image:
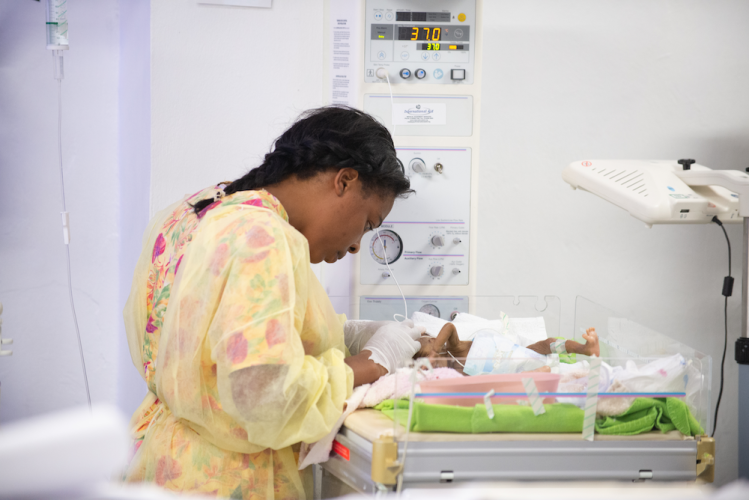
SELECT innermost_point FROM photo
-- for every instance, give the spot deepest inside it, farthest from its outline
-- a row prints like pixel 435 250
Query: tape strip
pixel 532 391
pixel 488 403
pixel 559 346
pixel 591 399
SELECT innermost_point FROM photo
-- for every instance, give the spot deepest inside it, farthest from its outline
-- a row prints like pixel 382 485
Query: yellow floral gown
pixel 239 345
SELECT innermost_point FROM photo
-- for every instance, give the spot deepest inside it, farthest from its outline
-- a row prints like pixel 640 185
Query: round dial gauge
pixel 431 310
pixel 389 249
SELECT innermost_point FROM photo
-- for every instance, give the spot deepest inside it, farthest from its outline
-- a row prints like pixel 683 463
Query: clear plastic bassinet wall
pixel 625 342
pixel 641 360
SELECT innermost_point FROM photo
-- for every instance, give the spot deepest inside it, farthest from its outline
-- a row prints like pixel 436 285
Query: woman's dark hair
pixel 332 137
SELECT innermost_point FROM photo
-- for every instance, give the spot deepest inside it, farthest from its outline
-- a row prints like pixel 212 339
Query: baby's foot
pixel 591 347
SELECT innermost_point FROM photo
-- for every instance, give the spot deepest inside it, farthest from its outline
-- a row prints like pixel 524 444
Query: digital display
pixel 431 33
pixel 440 46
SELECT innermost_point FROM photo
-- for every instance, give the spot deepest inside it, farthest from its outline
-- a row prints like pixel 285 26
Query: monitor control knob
pixel 418 165
pixel 457 241
pixel 420 73
pixel 436 271
pixel 456 271
pixel 405 73
pixel 438 240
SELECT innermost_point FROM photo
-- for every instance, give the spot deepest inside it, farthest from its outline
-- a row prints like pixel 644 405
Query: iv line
pixel 66 229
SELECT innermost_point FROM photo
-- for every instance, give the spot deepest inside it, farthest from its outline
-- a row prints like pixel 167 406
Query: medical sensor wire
pixel 727 291
pixel 385 255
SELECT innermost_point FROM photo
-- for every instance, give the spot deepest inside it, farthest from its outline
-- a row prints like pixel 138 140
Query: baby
pixel 447 341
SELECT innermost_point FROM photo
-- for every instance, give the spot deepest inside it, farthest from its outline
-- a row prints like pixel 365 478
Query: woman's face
pixel 345 213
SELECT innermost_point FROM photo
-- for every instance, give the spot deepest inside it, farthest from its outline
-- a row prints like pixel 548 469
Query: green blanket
pixel 643 415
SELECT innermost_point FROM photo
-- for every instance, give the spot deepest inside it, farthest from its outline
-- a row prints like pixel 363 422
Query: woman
pixel 241 349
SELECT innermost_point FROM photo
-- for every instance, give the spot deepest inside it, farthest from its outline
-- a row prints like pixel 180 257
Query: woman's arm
pixel 365 370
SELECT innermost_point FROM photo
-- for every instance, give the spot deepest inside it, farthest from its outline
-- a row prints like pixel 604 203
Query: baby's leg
pixel 590 348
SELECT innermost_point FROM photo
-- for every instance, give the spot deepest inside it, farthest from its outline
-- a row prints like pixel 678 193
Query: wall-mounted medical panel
pixel 420 42
pixel 425 238
pixel 423 115
pixel 383 308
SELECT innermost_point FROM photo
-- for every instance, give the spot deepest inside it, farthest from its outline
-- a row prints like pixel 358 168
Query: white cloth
pixel 320 451
pixel 669 374
pixel 494 353
pixel 659 375
pixel 522 331
pixel 467 325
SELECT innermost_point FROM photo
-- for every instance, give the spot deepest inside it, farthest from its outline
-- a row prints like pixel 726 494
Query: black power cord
pixel 727 291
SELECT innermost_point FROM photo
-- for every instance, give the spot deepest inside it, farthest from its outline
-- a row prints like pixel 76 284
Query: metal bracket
pixel 385 468
pixel 706 458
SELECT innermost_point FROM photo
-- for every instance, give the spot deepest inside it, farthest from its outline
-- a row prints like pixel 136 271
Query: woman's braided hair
pixel 331 137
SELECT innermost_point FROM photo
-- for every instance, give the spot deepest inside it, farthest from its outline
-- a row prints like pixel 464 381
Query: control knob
pixel 436 271
pixel 438 240
pixel 418 165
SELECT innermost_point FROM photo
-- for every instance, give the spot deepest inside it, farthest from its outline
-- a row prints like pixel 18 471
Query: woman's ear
pixel 344 179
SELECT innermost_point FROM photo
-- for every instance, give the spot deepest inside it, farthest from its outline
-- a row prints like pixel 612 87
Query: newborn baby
pixel 448 343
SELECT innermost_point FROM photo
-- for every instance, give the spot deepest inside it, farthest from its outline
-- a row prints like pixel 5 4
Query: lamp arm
pixel 733 180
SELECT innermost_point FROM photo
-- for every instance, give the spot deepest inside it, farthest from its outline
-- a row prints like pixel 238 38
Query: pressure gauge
pixel 431 310
pixel 390 249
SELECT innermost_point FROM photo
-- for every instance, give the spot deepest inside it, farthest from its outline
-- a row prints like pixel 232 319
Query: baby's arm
pixel 446 341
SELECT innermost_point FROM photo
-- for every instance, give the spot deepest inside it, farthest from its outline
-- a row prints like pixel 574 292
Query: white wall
pixel 44 373
pixel 226 81
pixel 134 170
pixel 105 110
pixel 587 79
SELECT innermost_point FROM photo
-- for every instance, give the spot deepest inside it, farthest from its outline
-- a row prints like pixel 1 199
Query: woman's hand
pixel 357 332
pixel 394 344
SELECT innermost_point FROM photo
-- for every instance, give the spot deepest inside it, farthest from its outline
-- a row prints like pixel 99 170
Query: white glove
pixel 394 343
pixel 357 332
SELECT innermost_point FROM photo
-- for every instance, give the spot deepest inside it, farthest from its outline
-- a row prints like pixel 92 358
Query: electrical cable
pixel 727 289
pixel 67 240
